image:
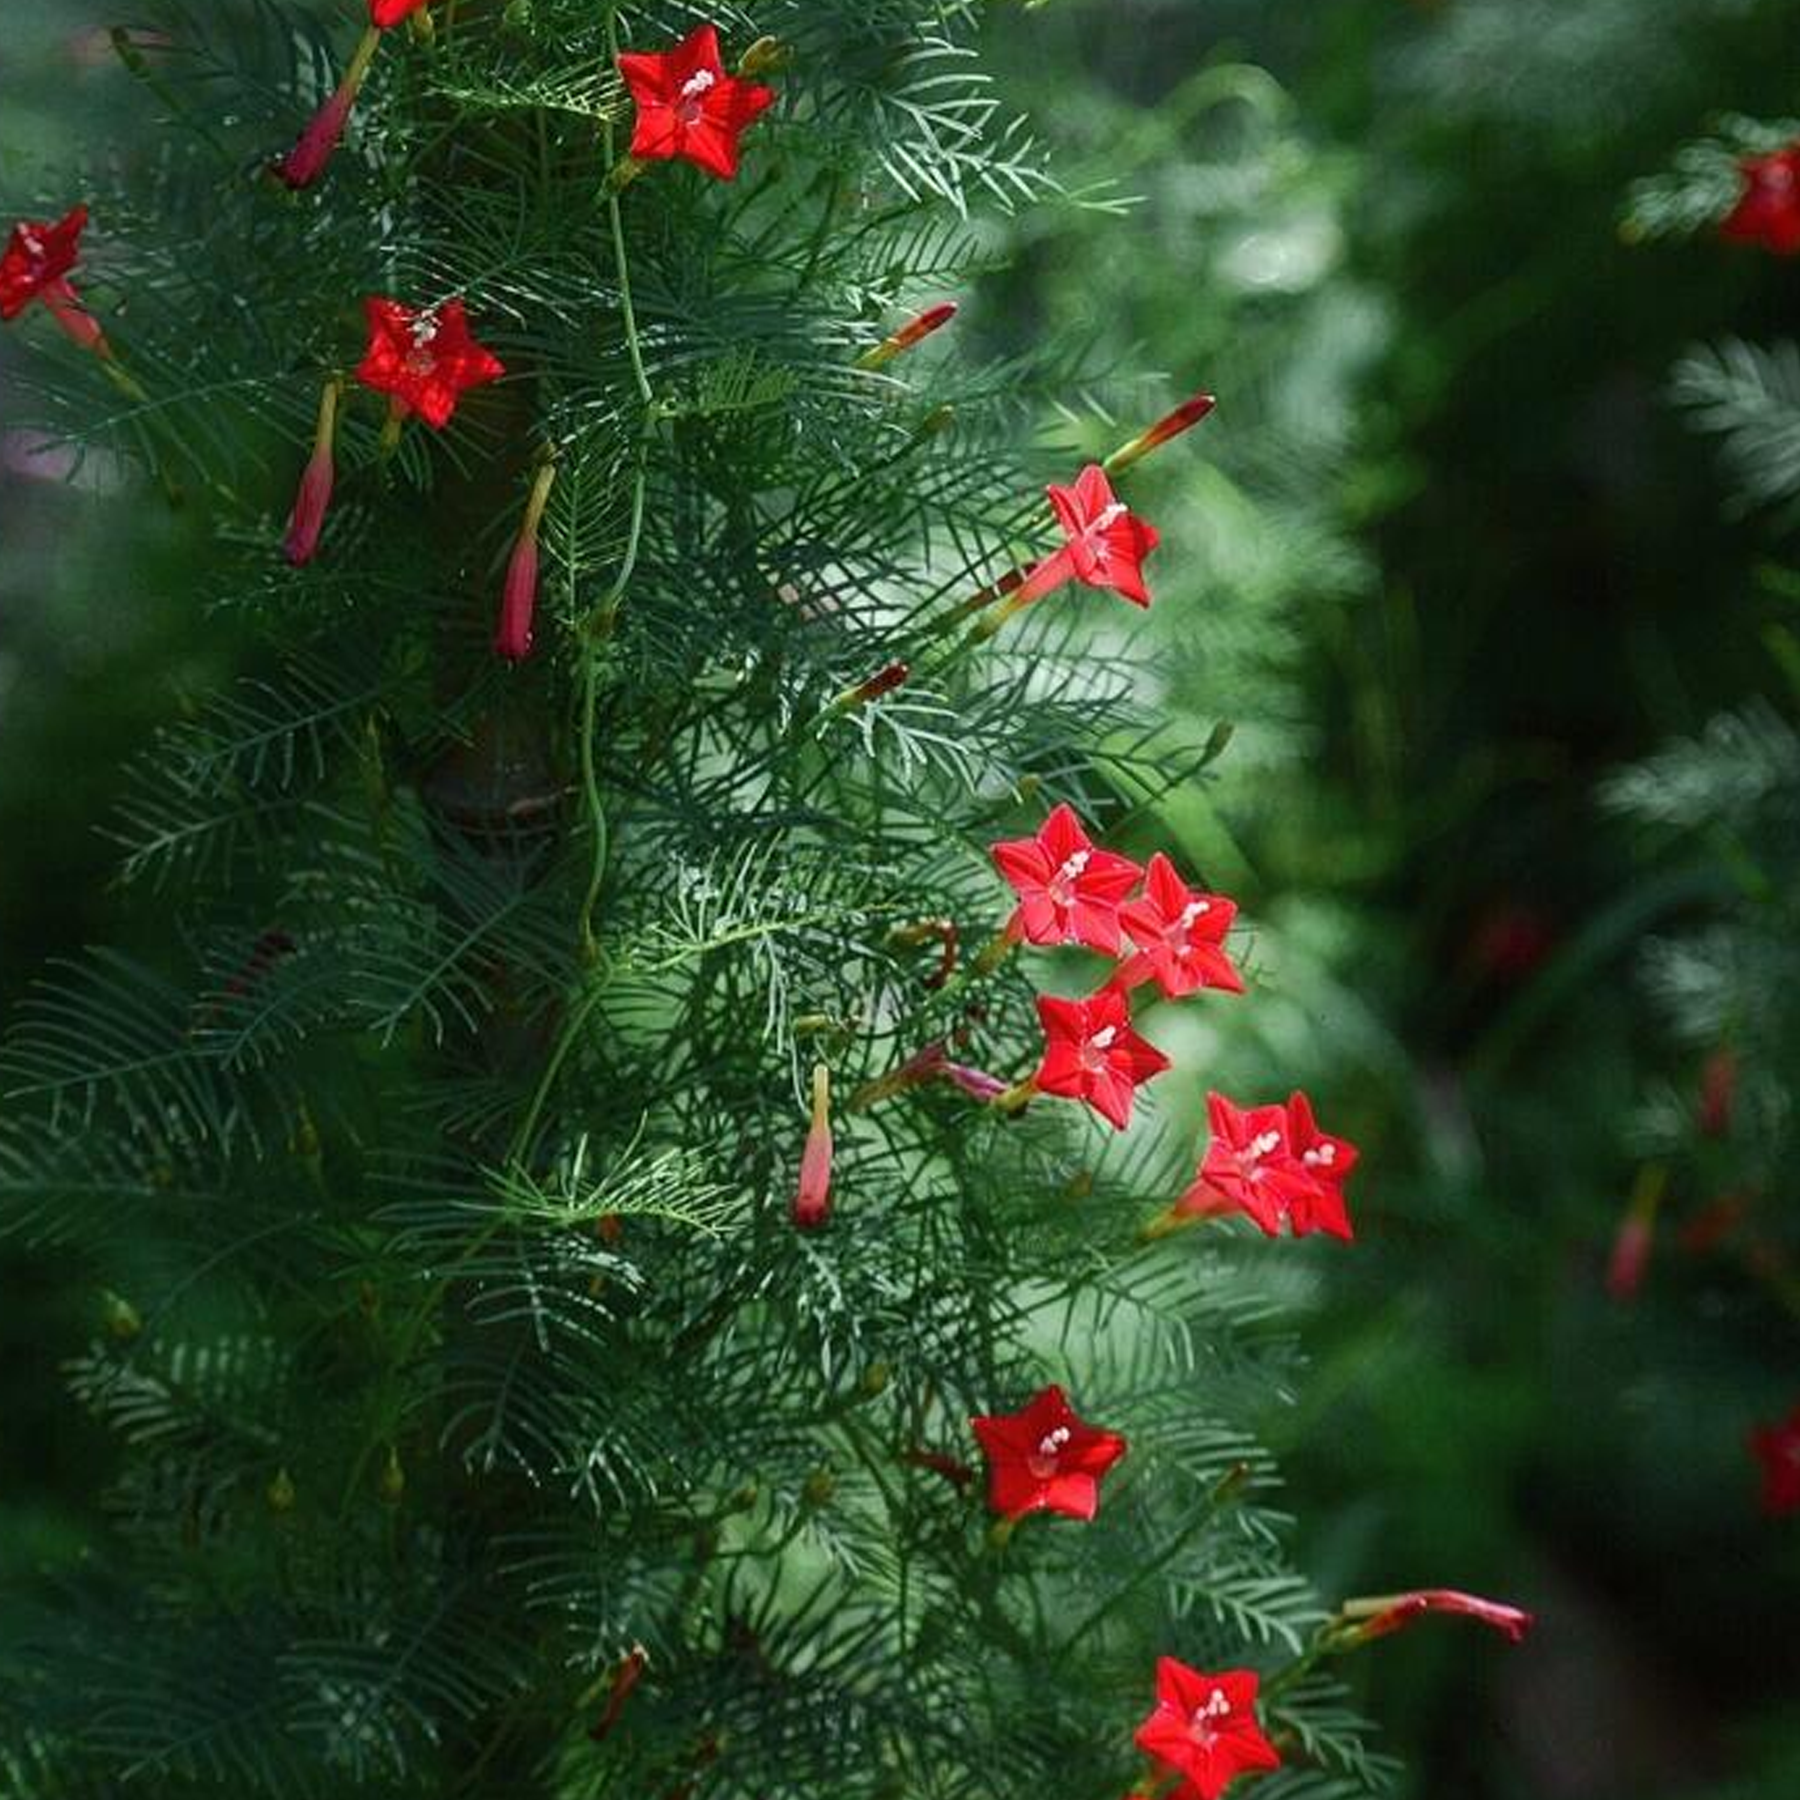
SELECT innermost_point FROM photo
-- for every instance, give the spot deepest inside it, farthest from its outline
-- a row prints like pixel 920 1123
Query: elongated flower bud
pixel 883 681
pixel 812 1198
pixel 1632 1244
pixel 308 517
pixel 518 605
pixel 628 1672
pixel 1364 1620
pixel 915 331
pixel 305 163
pixel 1187 415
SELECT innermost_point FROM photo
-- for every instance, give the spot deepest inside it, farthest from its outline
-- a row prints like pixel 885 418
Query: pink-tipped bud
pixel 812 1198
pixel 305 163
pixel 518 604
pixel 314 497
pixel 1384 1613
pixel 1630 1257
pixel 1187 415
pixel 976 1083
pixel 65 307
pixel 914 331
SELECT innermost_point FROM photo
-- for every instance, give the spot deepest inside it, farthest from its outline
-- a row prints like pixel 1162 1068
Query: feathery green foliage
pixel 449 1174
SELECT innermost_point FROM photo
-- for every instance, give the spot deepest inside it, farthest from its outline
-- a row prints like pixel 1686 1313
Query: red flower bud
pixel 1384 1613
pixel 1187 415
pixel 518 605
pixel 305 163
pixel 914 331
pixel 308 517
pixel 625 1677
pixel 883 681
pixel 812 1198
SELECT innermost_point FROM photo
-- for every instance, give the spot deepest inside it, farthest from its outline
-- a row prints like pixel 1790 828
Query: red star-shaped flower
pixel 687 106
pixel 1045 1459
pixel 1180 935
pixel 1768 209
pixel 1106 542
pixel 1204 1727
pixel 1069 890
pixel 425 359
pixel 37 259
pixel 1777 1448
pixel 1091 1053
pixel 383 13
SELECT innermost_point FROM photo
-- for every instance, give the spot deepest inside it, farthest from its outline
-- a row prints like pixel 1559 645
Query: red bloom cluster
pixel 1073 892
pixel 688 107
pixel 1272 1163
pixel 1044 1458
pixel 1777 1449
pixel 1768 209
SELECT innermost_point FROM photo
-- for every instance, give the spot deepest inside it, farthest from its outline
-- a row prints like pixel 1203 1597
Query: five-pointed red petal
pixel 1204 1727
pixel 1069 891
pixel 1180 935
pixel 1044 1458
pixel 1091 1053
pixel 687 106
pixel 1777 1448
pixel 426 360
pixel 38 255
pixel 1106 542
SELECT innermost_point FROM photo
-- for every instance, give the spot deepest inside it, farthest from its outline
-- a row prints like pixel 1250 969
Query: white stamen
pixel 1053 1441
pixel 1103 1040
pixel 33 244
pixel 1320 1156
pixel 1200 1722
pixel 698 83
pixel 1195 909
pixel 1262 1144
pixel 1109 516
pixel 424 330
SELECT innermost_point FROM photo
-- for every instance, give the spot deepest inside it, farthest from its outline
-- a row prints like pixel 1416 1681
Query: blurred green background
pixel 1455 561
